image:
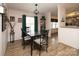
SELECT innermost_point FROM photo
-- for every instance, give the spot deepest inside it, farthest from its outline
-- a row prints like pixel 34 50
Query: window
pixel 30 24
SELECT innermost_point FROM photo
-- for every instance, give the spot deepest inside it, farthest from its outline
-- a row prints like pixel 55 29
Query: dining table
pixel 33 35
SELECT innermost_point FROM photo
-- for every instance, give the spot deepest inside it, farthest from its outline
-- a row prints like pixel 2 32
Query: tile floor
pixel 54 49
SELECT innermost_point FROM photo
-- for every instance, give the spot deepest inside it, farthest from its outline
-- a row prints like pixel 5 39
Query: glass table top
pixel 34 34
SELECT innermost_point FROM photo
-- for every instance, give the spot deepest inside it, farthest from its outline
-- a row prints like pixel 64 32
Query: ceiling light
pixel 36 10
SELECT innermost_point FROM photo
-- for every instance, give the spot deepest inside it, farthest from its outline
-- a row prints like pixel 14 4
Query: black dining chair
pixel 26 38
pixel 41 42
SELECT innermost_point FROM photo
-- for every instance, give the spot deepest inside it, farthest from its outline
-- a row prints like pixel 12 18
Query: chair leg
pixel 47 45
pixel 46 48
pixel 23 43
pixel 40 47
pixel 40 50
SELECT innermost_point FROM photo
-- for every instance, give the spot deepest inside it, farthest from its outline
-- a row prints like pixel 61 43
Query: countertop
pixel 75 27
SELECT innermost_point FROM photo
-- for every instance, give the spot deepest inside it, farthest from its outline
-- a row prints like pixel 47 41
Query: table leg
pixel 31 45
pixel 40 47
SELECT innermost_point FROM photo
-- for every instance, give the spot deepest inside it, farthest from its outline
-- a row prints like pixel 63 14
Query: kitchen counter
pixel 69 35
pixel 75 27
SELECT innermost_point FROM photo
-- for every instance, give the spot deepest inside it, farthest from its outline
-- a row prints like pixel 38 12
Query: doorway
pixel 54 27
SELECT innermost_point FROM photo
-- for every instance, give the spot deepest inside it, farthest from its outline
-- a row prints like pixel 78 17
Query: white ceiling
pixel 43 7
pixel 30 7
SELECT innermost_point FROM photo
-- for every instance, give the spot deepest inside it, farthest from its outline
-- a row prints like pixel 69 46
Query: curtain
pixel 24 23
pixel 36 24
pixel 44 24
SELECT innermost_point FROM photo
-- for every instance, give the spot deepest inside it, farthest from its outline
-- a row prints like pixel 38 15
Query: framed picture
pixel 12 19
pixel 19 20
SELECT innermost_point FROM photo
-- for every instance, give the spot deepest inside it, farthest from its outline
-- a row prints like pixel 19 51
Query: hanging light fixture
pixel 36 11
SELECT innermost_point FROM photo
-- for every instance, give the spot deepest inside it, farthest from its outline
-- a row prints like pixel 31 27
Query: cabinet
pixel 72 21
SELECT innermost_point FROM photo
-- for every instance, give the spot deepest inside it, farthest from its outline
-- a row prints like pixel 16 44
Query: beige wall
pixel 61 13
pixel 48 22
pixel 3 37
pixel 18 26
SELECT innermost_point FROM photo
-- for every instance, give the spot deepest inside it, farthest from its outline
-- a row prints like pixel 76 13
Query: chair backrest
pixel 45 36
pixel 23 33
pixel 45 33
